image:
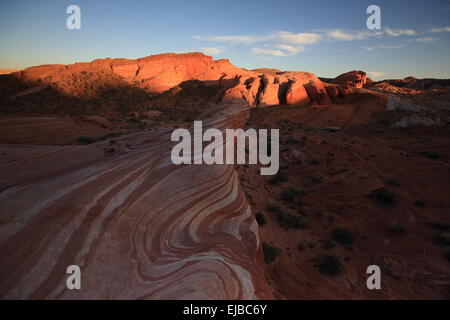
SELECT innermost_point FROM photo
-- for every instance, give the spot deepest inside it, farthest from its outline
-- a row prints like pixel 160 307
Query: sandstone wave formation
pixel 138 226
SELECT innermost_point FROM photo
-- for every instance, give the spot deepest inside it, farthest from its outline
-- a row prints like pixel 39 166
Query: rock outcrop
pixel 353 78
pixel 156 73
pixel 286 88
pixel 296 94
pixel 160 73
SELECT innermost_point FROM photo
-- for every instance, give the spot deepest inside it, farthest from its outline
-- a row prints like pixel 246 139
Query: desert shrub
pixel 328 244
pixel 384 197
pixel 278 178
pixel 270 252
pixel 440 226
pixel 447 254
pixel 396 229
pixel 301 203
pixel 289 221
pixel 443 239
pixel 310 244
pixel 329 265
pixel 85 140
pixel 343 236
pixel 432 155
pixel 292 140
pixel 274 207
pixel 290 194
pixel 114 134
pixel 393 182
pixel 260 219
pixel 286 219
pixel 420 203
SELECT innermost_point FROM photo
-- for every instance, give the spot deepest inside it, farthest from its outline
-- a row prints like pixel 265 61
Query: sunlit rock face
pixel 156 73
pixel 159 73
pixel 138 226
pixel 353 78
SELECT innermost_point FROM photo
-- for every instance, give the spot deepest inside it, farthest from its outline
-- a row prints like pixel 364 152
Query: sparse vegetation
pixel 329 265
pixel 343 236
pixel 278 178
pixel 393 182
pixel 286 219
pixel 420 203
pixel 384 196
pixel 290 194
pixel 292 140
pixel 270 252
pixel 328 244
pixel 447 254
pixel 443 239
pixel 440 226
pixel 260 219
pixel 396 229
pixel 432 155
pixel 274 207
pixel 85 140
pixel 310 244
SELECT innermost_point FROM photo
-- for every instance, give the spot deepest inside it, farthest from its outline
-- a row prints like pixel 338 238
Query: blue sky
pixel 323 37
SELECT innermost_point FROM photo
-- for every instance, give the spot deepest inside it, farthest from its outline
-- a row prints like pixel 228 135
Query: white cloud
pixel 290 49
pixel 286 43
pixel 424 40
pixel 231 39
pixel 272 52
pixel 439 30
pixel 343 35
pixel 383 46
pixel 375 74
pixel 295 38
pixel 397 46
pixel 211 50
pixel 400 32
pixel 279 50
pixel 279 36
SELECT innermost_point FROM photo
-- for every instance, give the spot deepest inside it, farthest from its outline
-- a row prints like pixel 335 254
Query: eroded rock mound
pixel 119 85
pixel 285 88
pixel 156 73
pixel 353 78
